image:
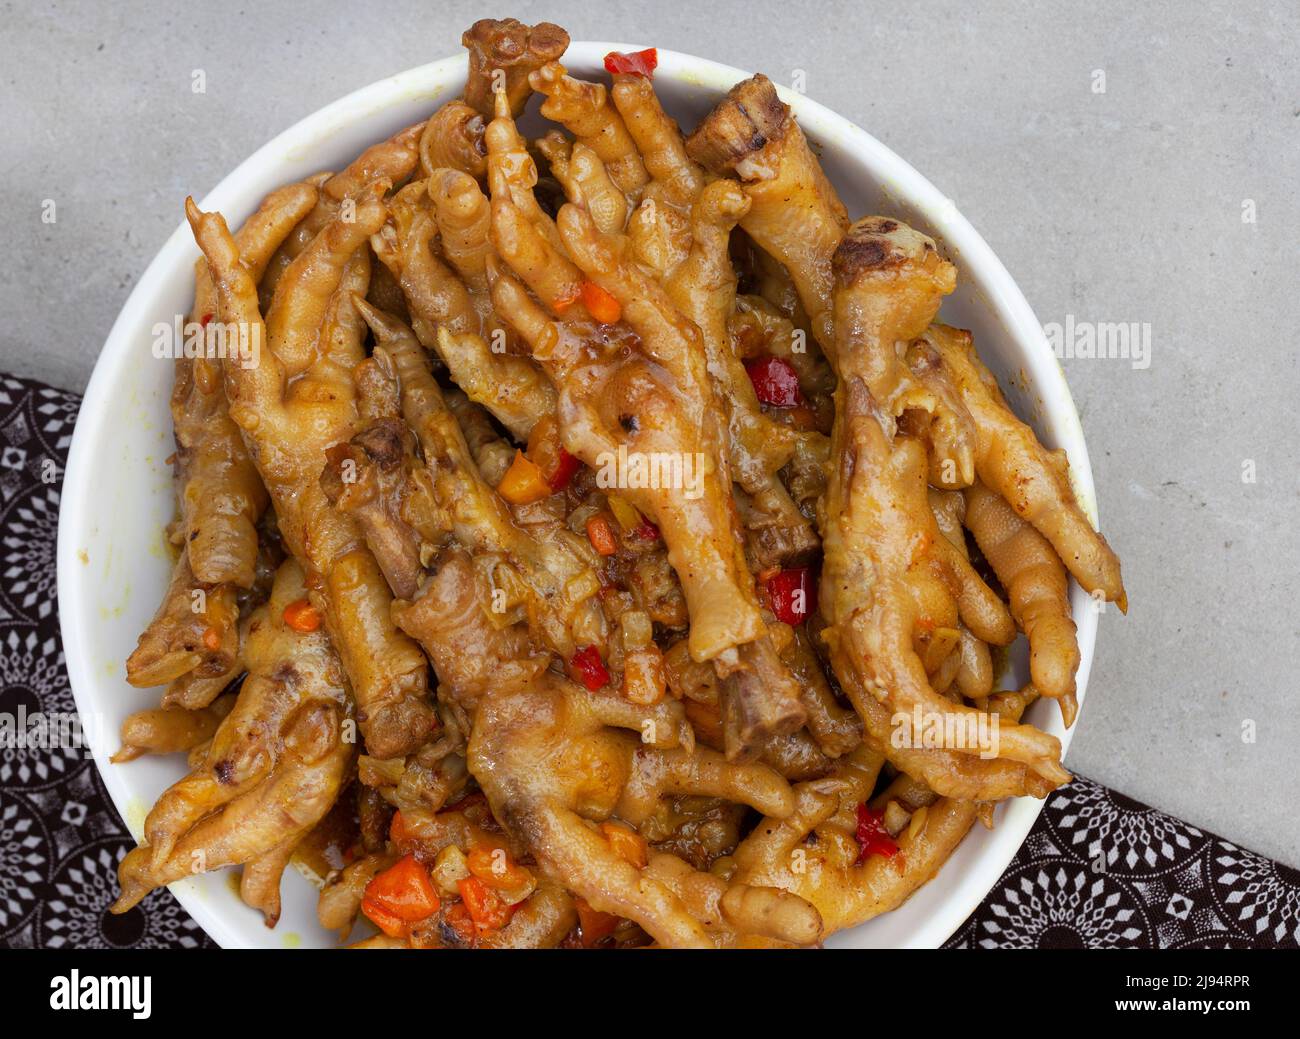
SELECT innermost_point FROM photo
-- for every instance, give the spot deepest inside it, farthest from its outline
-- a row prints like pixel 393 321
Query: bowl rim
pixel 998 288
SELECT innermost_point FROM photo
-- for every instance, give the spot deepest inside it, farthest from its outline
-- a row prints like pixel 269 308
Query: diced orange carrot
pixel 496 869
pixel 600 304
pixel 523 482
pixel 594 924
pixel 457 916
pixel 404 892
pixel 601 536
pixel 392 925
pixel 302 616
pixel 404 889
pixel 627 844
pixel 487 911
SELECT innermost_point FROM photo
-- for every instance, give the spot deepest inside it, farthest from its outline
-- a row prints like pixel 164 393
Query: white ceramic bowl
pixel 113 566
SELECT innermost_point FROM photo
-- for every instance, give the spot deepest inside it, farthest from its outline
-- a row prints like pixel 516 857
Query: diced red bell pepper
pixel 792 594
pixel 646 531
pixel 546 451
pixel 639 63
pixel 776 383
pixel 589 668
pixel 873 838
pixel 565 466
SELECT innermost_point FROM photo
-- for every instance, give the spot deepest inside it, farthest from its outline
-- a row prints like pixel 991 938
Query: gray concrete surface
pixel 1122 205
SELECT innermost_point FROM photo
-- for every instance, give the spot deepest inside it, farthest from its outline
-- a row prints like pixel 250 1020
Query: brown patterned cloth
pixel 1098 870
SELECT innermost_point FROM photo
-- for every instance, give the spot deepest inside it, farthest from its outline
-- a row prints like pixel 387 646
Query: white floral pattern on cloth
pixel 74 917
pixel 31 525
pixel 1099 870
pixel 60 837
